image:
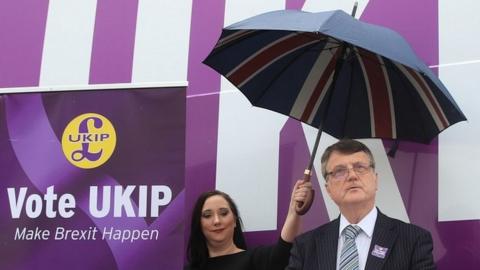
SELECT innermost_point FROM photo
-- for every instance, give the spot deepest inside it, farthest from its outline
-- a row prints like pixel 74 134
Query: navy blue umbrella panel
pixel 330 70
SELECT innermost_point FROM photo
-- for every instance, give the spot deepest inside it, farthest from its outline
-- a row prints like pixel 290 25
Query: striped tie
pixel 349 255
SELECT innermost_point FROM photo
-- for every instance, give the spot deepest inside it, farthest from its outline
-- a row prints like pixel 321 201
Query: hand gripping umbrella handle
pixel 302 207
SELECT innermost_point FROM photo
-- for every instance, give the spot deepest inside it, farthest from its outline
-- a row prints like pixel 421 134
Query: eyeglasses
pixel 340 173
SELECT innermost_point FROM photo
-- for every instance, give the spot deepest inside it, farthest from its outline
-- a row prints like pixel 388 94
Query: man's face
pixel 351 188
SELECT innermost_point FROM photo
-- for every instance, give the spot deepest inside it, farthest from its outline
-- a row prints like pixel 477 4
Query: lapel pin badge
pixel 379 251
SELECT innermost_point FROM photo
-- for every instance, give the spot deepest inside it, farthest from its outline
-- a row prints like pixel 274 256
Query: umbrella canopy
pixel 348 78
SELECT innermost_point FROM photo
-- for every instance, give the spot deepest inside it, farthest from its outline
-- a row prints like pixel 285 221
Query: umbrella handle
pixel 302 207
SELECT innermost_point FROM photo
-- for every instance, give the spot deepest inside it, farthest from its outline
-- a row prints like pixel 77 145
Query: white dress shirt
pixel 364 238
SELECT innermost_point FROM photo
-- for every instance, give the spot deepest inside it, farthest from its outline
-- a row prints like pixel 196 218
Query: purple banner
pixel 92 179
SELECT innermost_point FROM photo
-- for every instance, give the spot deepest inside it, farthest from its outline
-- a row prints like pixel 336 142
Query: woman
pixel 216 237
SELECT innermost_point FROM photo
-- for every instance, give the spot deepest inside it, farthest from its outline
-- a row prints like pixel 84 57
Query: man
pixel 362 237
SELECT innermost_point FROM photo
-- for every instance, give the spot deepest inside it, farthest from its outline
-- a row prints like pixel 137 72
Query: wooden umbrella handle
pixel 302 207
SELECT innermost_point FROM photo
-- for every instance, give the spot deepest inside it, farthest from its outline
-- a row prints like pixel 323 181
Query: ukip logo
pixel 89 140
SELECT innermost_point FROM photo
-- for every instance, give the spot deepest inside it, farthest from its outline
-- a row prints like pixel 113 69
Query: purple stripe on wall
pixel 461 239
pixel 294 4
pixel 416 21
pixel 113 41
pixel 204 33
pixel 202 111
pixel 22 30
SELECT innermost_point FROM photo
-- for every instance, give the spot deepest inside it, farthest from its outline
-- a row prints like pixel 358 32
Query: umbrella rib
pixel 406 84
pixel 352 52
pixel 391 70
pixel 370 58
pixel 228 45
pixel 303 51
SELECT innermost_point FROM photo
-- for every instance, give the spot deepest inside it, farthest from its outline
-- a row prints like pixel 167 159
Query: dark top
pixel 260 258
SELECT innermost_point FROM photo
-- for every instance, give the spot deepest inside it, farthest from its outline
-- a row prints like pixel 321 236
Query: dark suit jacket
pixel 409 247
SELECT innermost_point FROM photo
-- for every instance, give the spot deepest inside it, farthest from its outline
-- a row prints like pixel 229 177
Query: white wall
pixel 459 150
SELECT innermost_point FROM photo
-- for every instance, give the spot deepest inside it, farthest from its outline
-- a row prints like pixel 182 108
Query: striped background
pixel 46 43
pixel 67 42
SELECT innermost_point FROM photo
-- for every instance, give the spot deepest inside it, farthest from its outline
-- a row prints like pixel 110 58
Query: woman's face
pixel 217 221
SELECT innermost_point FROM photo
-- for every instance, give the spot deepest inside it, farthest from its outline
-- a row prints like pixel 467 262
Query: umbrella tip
pixel 355 5
pixel 393 150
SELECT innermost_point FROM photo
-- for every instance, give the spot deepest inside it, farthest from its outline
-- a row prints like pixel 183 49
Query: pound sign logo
pixel 89 140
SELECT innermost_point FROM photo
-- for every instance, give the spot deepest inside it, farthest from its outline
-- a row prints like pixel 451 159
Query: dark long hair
pixel 197 251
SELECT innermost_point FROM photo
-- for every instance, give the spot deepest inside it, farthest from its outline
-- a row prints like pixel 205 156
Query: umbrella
pixel 329 70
